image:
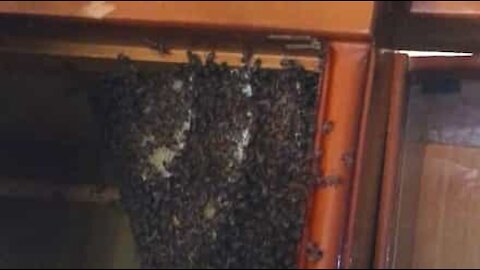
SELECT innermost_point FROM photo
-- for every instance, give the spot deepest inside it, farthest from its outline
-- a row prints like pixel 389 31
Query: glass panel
pixel 438 225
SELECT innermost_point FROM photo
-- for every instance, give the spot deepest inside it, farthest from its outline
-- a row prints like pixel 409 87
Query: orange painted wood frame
pixel 341 105
pixel 330 18
pixel 388 194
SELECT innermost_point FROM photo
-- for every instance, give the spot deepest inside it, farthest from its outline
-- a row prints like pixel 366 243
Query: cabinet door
pixel 429 198
pixel 394 139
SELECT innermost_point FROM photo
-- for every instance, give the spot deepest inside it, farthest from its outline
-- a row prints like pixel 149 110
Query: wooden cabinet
pixel 87 36
pixel 396 136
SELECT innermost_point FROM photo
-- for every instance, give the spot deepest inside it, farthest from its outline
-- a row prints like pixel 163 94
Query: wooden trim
pixel 323 87
pixel 349 18
pixel 353 198
pixel 360 235
pixel 342 101
pixel 388 195
pixel 137 53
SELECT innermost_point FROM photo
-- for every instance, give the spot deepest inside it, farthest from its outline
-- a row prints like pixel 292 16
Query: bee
pixel 327 127
pixel 158 46
pixel 348 160
pixel 328 181
pixel 247 56
pixel 194 59
pixel 288 63
pixel 314 253
pixel 257 64
pixel 210 57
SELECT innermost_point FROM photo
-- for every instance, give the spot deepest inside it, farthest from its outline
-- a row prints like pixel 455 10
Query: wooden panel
pixel 459 9
pixel 320 17
pixel 341 105
pixel 448 225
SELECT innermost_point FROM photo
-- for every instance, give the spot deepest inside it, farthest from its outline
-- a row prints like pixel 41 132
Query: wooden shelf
pixel 137 53
pixel 43 190
pixel 349 18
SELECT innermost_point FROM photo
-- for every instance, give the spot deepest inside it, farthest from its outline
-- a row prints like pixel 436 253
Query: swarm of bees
pixel 212 160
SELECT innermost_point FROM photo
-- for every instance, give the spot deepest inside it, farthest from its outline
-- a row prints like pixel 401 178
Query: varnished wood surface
pixel 389 186
pixel 448 223
pixel 360 235
pixel 320 17
pixel 342 105
pixel 65 48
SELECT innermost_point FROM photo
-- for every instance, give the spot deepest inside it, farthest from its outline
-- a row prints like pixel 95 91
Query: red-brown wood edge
pixel 388 193
pixel 362 160
pixel 342 100
pixel 328 18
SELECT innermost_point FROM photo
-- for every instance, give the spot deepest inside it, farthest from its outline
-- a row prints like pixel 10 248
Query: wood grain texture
pixel 448 225
pixel 321 17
